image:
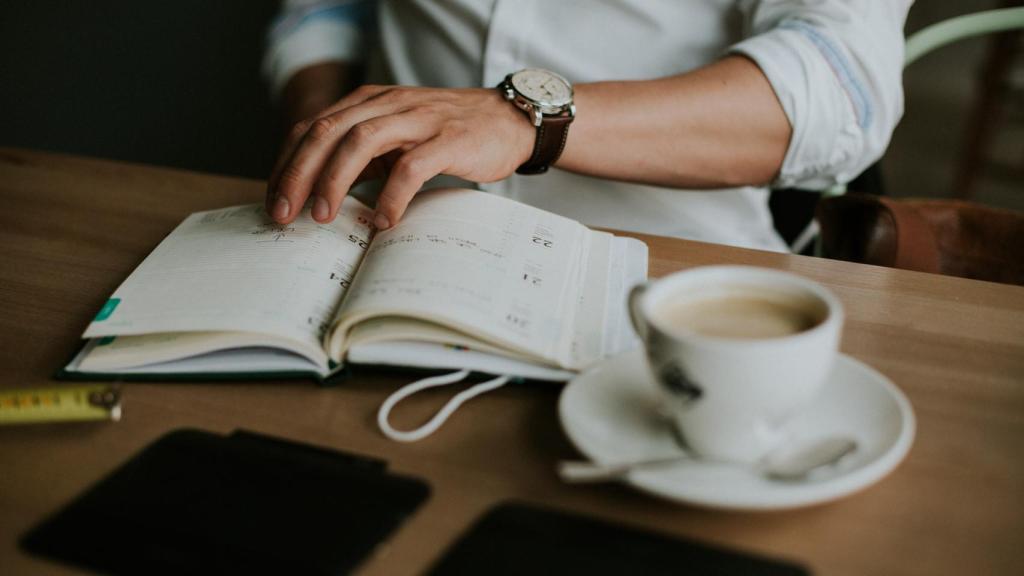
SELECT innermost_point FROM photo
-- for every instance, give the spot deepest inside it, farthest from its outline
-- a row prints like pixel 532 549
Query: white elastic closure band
pixel 442 415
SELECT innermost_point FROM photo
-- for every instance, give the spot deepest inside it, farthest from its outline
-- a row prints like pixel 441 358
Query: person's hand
pixel 406 135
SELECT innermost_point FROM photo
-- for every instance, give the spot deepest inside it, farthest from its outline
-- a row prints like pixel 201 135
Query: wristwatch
pixel 546 98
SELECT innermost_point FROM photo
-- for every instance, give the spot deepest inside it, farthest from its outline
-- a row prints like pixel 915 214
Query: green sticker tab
pixel 107 309
pixel 106 340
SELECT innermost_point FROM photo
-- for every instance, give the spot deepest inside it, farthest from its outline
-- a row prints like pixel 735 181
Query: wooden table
pixel 72 228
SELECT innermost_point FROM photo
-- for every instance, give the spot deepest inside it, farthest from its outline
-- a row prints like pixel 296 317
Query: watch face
pixel 543 87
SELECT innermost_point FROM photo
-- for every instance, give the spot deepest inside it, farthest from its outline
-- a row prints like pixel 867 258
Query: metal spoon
pixel 784 464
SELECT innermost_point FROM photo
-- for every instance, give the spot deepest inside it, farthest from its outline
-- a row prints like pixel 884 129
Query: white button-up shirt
pixel 835 66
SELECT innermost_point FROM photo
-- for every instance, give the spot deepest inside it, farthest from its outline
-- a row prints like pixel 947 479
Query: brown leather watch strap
pixel 551 136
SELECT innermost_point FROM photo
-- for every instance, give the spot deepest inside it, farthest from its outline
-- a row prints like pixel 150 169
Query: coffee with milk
pixel 741 315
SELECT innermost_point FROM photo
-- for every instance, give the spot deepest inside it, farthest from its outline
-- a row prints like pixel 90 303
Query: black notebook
pixel 195 502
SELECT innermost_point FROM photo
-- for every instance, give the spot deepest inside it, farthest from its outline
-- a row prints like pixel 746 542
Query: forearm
pixel 717 126
pixel 314 88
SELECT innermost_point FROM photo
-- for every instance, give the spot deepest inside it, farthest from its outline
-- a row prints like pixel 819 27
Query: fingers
pixel 307 144
pixel 407 176
pixel 296 178
pixel 354 156
pixel 298 131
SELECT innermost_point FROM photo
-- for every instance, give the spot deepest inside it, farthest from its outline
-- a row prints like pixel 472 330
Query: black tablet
pixel 195 502
pixel 519 538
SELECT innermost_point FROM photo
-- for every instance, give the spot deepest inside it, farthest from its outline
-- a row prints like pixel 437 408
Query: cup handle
pixel 635 313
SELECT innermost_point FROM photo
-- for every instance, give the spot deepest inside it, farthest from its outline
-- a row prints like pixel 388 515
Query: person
pixel 686 111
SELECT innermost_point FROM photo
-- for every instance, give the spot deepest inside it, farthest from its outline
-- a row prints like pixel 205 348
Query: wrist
pixel 522 133
pixel 546 100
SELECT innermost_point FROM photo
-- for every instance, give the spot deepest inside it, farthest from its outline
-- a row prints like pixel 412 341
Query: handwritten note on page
pixel 235 270
pixel 491 267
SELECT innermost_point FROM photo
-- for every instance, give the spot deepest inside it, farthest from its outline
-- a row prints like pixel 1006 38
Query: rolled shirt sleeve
pixel 308 32
pixel 836 67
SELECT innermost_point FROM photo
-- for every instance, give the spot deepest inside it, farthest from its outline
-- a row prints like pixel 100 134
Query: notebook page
pixel 126 352
pixel 483 264
pixel 233 269
pixel 589 335
pixel 628 268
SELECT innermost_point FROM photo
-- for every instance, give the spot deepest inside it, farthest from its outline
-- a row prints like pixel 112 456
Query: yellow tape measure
pixel 64 403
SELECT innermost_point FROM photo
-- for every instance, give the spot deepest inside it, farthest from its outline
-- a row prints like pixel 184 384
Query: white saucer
pixel 610 414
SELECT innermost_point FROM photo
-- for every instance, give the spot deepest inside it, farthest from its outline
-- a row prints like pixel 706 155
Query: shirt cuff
pixel 823 98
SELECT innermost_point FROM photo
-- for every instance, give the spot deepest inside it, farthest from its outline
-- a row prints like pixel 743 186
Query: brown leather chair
pixel 950 237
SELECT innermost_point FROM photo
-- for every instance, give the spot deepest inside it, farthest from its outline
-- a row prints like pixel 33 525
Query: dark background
pixel 172 83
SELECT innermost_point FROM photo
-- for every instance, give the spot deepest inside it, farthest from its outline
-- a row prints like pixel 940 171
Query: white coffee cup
pixel 738 351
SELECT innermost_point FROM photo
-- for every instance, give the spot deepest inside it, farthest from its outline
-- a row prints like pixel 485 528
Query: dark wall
pixel 171 83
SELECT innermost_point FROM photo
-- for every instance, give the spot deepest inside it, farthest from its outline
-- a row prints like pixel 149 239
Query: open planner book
pixel 467 280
